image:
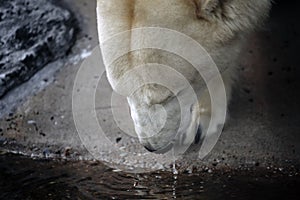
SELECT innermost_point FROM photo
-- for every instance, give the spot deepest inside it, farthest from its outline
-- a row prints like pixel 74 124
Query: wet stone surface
pixel 33 33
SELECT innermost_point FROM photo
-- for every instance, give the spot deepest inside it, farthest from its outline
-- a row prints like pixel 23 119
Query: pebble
pixel 67 151
pixel 31 122
pixel 123 154
pixel 36 149
pixel 158 166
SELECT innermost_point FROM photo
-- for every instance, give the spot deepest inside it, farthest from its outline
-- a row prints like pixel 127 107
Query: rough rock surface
pixel 32 34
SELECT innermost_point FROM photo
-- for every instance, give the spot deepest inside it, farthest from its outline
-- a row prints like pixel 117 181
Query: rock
pixel 33 33
pixel 67 151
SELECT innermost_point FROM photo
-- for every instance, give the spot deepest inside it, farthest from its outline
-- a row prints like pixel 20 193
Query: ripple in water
pixel 24 178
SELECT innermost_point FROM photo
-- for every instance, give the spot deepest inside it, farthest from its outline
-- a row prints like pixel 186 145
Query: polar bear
pixel 219 26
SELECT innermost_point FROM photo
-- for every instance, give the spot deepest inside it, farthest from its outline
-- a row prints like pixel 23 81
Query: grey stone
pixel 33 33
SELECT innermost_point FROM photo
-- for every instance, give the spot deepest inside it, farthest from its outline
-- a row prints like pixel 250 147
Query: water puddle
pixel 25 178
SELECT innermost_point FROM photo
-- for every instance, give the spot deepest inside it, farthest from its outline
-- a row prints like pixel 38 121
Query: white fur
pixel 220 26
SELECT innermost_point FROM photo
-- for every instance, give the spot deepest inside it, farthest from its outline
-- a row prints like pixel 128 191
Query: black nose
pixel 198 135
pixel 149 148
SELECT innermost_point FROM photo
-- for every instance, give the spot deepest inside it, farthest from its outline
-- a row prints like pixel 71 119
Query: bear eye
pixel 207 9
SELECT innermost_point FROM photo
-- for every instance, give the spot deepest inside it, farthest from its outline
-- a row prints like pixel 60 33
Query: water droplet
pixel 175 173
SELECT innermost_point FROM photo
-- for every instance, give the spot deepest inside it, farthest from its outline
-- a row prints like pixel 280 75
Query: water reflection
pixel 24 178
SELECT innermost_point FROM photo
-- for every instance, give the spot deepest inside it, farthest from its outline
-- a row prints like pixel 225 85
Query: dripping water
pixel 175 173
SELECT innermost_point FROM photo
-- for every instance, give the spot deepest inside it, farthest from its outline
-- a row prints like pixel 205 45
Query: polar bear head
pixel 218 25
